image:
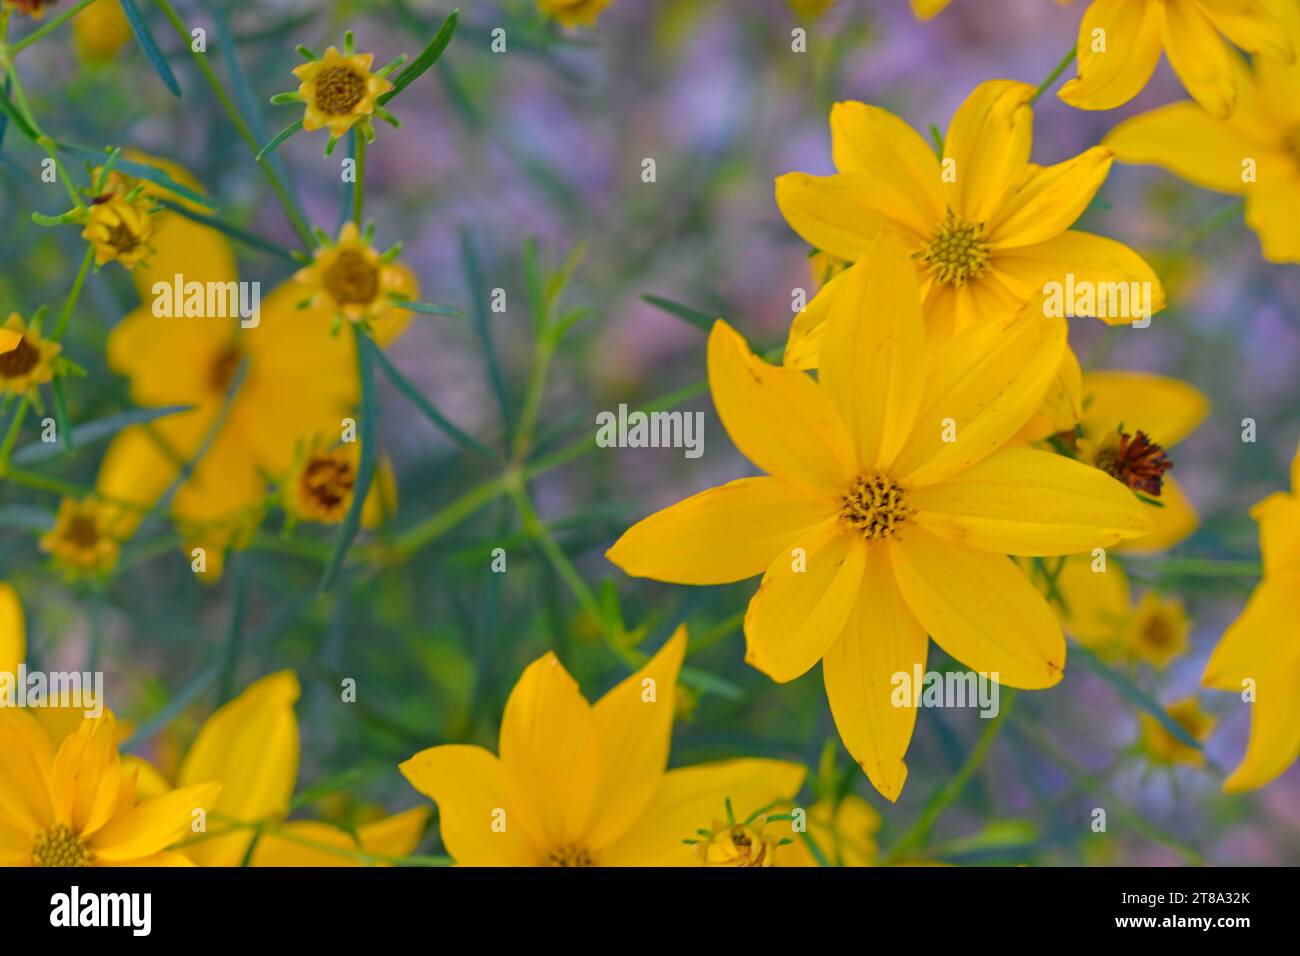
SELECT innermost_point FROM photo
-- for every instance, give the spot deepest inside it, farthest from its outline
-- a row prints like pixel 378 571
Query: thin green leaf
pixel 11 112
pixel 430 411
pixel 700 320
pixel 189 693
pixel 427 58
pixel 366 352
pixel 478 295
pixel 233 231
pixel 150 46
pixel 427 308
pixel 280 137
pixel 89 432
pixel 1134 694
pixel 140 171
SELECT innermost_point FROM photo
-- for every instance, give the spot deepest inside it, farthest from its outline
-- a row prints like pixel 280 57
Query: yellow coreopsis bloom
pixel 320 486
pixel 1259 652
pixel 1159 630
pixel 1255 153
pixel 888 504
pixel 986 228
pixel 101 30
pixel 120 228
pixel 85 539
pixel 13 632
pixel 75 804
pixel 1162 747
pixel 339 90
pixel 352 279
pixel 250 746
pixel 1120 43
pixel 579 784
pixel 26 359
pixel 573 13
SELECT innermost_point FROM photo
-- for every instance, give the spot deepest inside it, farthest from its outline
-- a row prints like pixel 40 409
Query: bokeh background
pixel 546 141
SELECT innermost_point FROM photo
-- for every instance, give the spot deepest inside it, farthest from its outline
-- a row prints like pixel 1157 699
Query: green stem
pixel 11 436
pixel 74 294
pixel 533 399
pixel 1054 75
pixel 1207 567
pixel 359 186
pixel 48 27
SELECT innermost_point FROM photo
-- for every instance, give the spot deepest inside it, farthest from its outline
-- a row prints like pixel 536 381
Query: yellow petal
pixel 1046 201
pixel 808 330
pixel 550 753
pixel 1259 643
pixel 1251 25
pixel 984 386
pixel 1029 502
pixel 153 825
pixel 980 609
pixel 867 139
pixel 1167 409
pixel 1088 258
pixel 309 843
pixel 87 775
pixel 1062 406
pixel 635 724
pixel 1119 47
pixel 1200 57
pixel 873 362
pixel 13 633
pixel 1174 519
pixel 842 214
pixel 1269 209
pixel 1279 533
pixel 692 798
pixel 9 340
pixel 474 810
pixel 250 746
pixel 800 608
pixel 25 785
pixel 882 638
pixel 778 417
pixel 1274 741
pixel 989 139
pixel 724 534
pixel 1097 604
pixel 1190 143
pixel 925 9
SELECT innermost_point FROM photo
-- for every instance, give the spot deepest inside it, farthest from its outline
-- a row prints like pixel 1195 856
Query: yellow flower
pixel 33 8
pixel 352 279
pixel 1091 599
pixel 1255 153
pixel 100 30
pixel 578 784
pixel 845 832
pixel 1259 651
pixel 76 805
pixel 320 487
pixel 1159 630
pixel 1162 747
pixel 120 228
pixel 250 746
pixel 986 228
pixel 1120 43
pixel 26 359
pixel 13 633
pixel 737 844
pixel 1129 423
pixel 298 381
pixel 926 9
pixel 573 13
pixel 890 499
pixel 84 539
pixel 339 90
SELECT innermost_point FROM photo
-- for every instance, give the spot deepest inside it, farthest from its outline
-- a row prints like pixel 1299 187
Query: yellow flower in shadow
pixel 573 13
pixel 1161 747
pixel 580 784
pixel 120 229
pixel 100 31
pixel 26 359
pixel 84 541
pixel 352 279
pixel 1158 633
pixel 320 486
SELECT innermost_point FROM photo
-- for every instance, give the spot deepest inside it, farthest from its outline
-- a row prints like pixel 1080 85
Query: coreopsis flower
pixel 295 380
pixel 100 31
pixel 1159 746
pixel 1255 153
pixel 354 280
pixel 13 632
pixel 84 541
pixel 740 844
pixel 985 228
pixel 340 92
pixel 1259 654
pixel 76 804
pixel 26 359
pixel 1129 424
pixel 573 13
pixel 120 228
pixel 32 8
pixel 320 486
pixel 1158 633
pixel 579 784
pixel 250 746
pixel 889 503
pixel 1120 43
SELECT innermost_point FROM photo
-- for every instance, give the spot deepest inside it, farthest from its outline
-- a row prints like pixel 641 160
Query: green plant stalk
pixel 533 399
pixel 359 186
pixel 1054 75
pixel 245 133
pixel 48 145
pixel 74 294
pixel 11 436
pixel 48 27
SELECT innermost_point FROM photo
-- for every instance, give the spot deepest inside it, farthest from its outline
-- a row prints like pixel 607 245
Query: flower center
pixel 957 252
pixel 1158 632
pixel 570 856
pixel 82 530
pixel 59 846
pixel 875 506
pixel 338 89
pixel 1137 461
pixel 328 482
pixel 19 360
pixel 352 279
pixel 738 845
pixel 121 238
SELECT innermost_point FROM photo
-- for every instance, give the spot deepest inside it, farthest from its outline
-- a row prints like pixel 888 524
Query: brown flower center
pixel 875 506
pixel 59 846
pixel 1158 632
pixel 1137 461
pixel 19 360
pixel 958 251
pixel 121 238
pixel 570 856
pixel 338 89
pixel 352 279
pixel 82 530
pixel 328 482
